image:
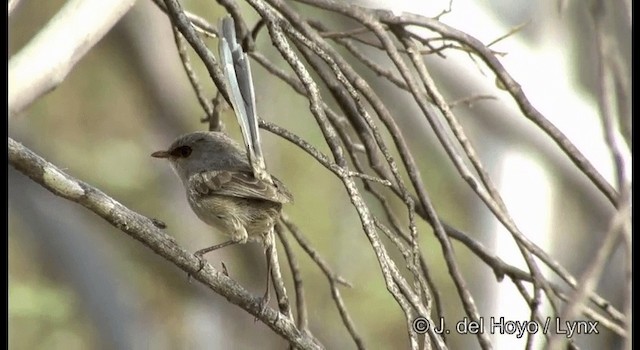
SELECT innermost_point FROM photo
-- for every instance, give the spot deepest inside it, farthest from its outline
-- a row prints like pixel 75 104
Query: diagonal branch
pixel 145 230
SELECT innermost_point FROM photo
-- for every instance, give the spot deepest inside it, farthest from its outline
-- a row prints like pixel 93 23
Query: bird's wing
pixel 238 184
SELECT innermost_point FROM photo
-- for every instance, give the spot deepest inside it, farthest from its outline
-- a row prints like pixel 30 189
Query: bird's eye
pixel 182 152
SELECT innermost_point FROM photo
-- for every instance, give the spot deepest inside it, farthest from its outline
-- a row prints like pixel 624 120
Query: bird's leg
pixel 204 251
pixel 266 296
pixel 238 236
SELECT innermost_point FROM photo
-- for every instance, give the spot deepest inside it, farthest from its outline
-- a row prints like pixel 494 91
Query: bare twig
pixel 508 82
pixel 511 32
pixel 333 278
pixel 301 305
pixel 276 274
pixel 193 79
pixel 470 100
pixel 182 22
pixel 619 225
pixel 356 128
pixel 492 198
pixel 606 96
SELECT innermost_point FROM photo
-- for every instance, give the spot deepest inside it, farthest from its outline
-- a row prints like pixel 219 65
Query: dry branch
pixel 145 230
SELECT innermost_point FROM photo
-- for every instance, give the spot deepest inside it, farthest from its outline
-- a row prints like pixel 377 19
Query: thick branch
pixel 145 230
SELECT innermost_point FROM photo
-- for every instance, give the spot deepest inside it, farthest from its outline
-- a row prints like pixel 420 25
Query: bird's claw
pixel 201 263
pixel 264 301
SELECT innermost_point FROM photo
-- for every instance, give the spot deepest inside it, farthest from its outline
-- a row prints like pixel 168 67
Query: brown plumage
pixel 221 187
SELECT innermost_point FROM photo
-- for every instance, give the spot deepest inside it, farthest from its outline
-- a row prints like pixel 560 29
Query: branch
pixel 146 231
pixel 183 23
pixel 528 110
pixel 49 57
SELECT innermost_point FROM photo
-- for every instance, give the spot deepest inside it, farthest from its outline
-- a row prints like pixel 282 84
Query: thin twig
pixel 193 79
pixel 596 299
pixel 495 202
pixel 182 22
pixel 511 32
pixel 301 305
pixel 333 278
pixel 276 275
pixel 470 100
pixel 507 81
pixel 606 94
pixel 619 225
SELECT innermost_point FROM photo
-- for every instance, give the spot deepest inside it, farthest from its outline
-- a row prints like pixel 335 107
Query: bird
pixel 229 187
pixel 221 187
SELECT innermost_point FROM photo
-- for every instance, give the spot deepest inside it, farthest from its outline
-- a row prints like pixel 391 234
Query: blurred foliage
pixel 43 312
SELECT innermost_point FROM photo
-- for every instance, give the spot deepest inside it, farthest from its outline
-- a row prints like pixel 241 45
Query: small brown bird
pixel 227 187
pixel 221 187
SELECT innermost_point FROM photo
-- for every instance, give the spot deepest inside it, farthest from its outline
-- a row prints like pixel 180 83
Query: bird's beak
pixel 160 154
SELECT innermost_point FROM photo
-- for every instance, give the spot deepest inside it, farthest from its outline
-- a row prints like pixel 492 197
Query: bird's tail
pixel 235 65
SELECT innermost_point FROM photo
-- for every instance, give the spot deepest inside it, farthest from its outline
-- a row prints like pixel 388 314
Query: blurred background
pixel 76 282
